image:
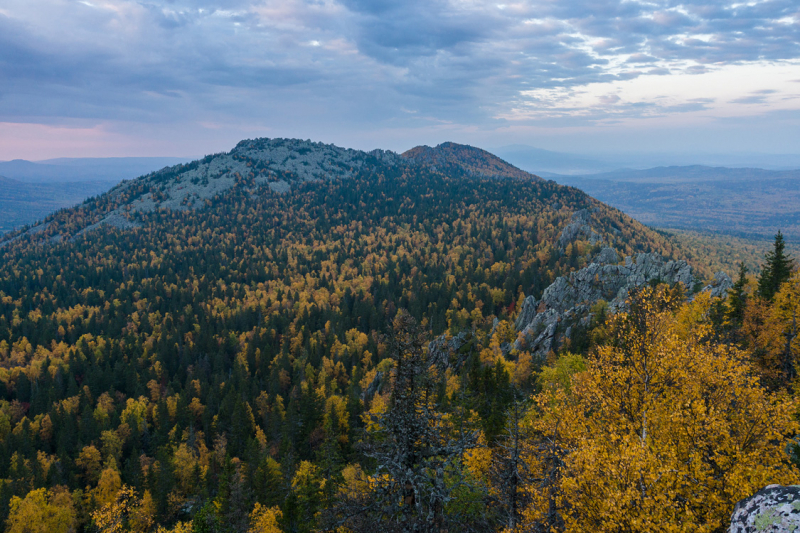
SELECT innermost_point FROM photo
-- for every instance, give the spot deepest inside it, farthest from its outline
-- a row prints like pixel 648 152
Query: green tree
pixel 737 302
pixel 776 270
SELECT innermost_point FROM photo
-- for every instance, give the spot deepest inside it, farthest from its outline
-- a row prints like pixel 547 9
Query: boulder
pixel 773 509
pixel 449 352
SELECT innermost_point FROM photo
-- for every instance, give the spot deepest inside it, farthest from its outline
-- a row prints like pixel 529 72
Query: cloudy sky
pixel 179 77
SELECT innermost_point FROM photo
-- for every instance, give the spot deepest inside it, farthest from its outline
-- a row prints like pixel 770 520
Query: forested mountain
pixel 294 336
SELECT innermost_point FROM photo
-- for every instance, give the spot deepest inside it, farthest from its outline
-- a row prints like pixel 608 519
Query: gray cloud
pixel 175 60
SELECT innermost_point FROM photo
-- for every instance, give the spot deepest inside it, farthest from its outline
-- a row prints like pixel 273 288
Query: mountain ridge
pixel 279 164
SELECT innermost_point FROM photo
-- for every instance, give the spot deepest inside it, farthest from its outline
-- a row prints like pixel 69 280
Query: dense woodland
pixel 262 364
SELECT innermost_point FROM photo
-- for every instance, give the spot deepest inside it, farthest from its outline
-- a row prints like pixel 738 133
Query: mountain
pixel 474 160
pixel 83 169
pixel 748 202
pixel 222 333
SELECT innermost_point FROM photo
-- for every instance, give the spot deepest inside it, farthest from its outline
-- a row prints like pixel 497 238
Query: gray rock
pixel 374 387
pixel 580 226
pixel 773 509
pixel 527 313
pixel 719 286
pixel 568 299
pixel 607 256
pixel 446 352
pixel 280 186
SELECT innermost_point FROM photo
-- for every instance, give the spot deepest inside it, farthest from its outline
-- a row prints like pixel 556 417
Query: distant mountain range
pixel 84 169
pixel 545 162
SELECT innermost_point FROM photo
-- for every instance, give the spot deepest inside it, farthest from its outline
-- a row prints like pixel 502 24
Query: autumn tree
pixel 126 513
pixel 664 429
pixel 771 330
pixel 265 519
pixel 42 511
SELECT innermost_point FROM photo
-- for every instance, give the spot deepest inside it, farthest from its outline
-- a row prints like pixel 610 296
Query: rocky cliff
pixel 544 324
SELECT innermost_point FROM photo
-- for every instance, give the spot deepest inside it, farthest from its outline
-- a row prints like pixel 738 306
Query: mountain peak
pixel 473 160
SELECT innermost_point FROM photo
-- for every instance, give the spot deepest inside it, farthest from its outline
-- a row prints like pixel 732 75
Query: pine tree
pixel 777 269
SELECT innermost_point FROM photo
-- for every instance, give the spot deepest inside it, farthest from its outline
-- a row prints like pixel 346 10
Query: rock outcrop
pixel 719 286
pixel 773 509
pixel 568 300
pixel 607 256
pixel 450 352
pixel 580 226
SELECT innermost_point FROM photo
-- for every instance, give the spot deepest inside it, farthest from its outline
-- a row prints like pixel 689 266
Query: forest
pixel 287 363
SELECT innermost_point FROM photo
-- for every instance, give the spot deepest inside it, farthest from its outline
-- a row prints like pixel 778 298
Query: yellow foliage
pixel 126 512
pixel 180 527
pixel 42 511
pixel 663 429
pixel 265 519
pixel 478 460
pixel 107 488
pixel 355 483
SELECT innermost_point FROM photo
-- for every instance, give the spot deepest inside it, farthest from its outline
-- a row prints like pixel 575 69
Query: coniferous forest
pixel 344 357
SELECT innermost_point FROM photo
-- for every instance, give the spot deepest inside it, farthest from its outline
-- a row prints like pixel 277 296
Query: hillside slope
pixel 207 332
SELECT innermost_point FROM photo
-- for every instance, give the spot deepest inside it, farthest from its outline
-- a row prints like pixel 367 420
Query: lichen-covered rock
pixel 568 300
pixel 773 509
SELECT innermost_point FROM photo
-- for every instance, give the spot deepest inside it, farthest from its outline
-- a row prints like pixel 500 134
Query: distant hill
pixel 694 174
pixel 84 169
pixel 748 202
pixel 25 203
pixel 545 162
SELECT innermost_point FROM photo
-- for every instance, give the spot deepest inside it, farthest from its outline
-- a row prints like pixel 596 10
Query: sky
pixel 104 78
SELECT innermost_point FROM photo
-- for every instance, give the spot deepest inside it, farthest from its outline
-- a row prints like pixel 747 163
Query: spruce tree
pixel 737 300
pixel 777 269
